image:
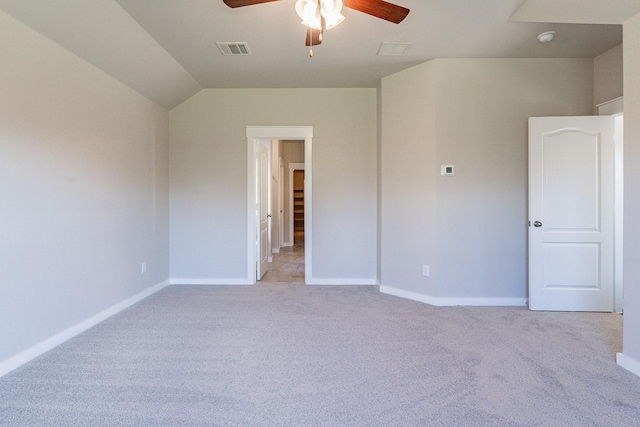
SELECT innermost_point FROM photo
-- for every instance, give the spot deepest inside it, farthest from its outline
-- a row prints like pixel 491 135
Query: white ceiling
pixel 165 49
pixel 577 11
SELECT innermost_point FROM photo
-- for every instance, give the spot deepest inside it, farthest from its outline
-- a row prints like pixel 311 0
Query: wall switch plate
pixel 447 170
pixel 425 270
pixel 143 268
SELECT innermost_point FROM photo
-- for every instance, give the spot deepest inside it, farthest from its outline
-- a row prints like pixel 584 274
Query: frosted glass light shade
pixel 309 12
pixel 333 20
pixel 330 10
pixel 312 14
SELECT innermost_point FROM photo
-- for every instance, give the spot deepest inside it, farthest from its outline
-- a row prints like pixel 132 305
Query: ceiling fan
pixel 320 15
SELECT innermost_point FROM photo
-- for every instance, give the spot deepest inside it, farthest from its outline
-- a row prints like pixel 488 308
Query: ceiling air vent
pixel 393 49
pixel 234 48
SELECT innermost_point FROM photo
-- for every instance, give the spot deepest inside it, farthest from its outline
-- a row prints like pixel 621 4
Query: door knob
pixel 537 224
pixel 269 216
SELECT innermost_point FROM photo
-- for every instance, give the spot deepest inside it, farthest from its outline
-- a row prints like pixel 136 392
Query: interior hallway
pixel 288 265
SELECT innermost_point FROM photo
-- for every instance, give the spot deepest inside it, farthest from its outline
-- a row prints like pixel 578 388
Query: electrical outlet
pixel 447 170
pixel 425 270
pixel 143 268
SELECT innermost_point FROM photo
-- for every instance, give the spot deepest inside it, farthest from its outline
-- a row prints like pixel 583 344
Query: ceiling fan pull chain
pixel 309 42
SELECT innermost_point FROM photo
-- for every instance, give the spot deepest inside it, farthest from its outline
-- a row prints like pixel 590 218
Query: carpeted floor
pixel 295 355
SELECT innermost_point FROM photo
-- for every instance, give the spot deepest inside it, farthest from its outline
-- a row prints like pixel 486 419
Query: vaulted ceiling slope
pixel 166 49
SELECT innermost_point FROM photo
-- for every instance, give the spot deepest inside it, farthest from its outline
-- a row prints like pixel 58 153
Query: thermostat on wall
pixel 447 170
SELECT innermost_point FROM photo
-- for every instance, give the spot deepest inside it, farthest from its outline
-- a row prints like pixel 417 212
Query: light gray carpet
pixel 295 355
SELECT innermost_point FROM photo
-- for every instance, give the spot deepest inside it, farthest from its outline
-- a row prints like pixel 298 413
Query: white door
pixel 571 213
pixel 262 209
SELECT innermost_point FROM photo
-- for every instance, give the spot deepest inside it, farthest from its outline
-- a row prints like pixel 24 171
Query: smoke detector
pixel 546 37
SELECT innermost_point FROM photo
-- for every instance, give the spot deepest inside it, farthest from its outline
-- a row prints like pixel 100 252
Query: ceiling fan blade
pixel 380 9
pixel 313 37
pixel 242 3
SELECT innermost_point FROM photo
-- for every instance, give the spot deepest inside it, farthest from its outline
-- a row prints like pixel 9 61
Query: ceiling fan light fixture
pixel 309 12
pixel 312 12
pixel 331 12
pixel 333 20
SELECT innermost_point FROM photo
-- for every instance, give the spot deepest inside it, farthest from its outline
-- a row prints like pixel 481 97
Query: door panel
pixel 571 265
pixel 569 203
pixel 571 207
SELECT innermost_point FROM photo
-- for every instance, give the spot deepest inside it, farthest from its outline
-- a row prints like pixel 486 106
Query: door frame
pixel 254 133
pixel 281 200
pixel 615 108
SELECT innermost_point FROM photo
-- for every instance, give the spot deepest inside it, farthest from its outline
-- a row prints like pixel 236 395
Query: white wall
pixel 631 350
pixel 83 191
pixel 475 118
pixel 408 179
pixel 607 76
pixel 209 179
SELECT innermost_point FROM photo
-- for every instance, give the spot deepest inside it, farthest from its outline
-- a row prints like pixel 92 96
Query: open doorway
pixel 294 255
pixel 295 213
pixel 287 263
pixel 298 207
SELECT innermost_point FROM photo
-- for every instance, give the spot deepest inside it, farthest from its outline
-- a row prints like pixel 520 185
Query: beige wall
pixel 631 185
pixel 209 178
pixel 84 187
pixel 607 76
pixel 472 228
pixel 408 179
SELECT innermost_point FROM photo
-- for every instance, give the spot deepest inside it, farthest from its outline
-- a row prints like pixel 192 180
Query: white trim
pixel 276 250
pixel 281 133
pixel 291 218
pixel 618 221
pixel 211 281
pixel 281 199
pixel 615 108
pixel 612 107
pixel 308 208
pixel 269 203
pixel 628 363
pixel 448 302
pixel 251 226
pixel 339 282
pixel 31 353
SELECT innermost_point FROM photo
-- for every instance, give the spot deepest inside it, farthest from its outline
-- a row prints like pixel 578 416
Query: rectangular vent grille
pixel 393 49
pixel 234 48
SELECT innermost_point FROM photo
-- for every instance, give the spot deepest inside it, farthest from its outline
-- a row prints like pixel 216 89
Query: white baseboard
pixel 244 281
pixel 275 250
pixel 445 302
pixel 211 281
pixel 628 363
pixel 338 282
pixel 31 353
